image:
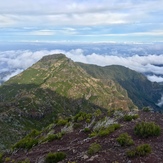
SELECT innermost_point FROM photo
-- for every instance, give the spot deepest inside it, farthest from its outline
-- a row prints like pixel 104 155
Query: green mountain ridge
pixel 53 87
pixel 142 92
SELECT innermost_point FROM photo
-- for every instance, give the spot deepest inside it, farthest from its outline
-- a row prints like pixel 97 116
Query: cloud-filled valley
pixel 13 62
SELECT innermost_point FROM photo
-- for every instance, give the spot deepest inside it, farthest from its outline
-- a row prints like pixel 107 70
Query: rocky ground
pixel 76 144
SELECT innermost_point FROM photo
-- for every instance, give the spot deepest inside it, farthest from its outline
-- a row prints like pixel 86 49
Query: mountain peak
pixel 53 56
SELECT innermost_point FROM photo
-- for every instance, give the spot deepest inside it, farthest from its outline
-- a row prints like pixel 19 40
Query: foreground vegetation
pixel 147 129
pixel 141 150
pixel 55 157
pixel 96 127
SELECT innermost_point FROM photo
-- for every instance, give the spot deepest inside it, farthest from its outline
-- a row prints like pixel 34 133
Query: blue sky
pixel 81 20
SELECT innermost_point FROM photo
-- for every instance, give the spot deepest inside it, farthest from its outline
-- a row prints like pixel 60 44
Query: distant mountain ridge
pixel 143 92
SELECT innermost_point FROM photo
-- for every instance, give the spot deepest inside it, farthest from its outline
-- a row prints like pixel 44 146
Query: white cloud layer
pixel 154 78
pixel 17 71
pixel 160 103
pixel 20 60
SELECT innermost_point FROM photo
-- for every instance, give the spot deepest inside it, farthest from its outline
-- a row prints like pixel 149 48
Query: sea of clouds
pixel 15 61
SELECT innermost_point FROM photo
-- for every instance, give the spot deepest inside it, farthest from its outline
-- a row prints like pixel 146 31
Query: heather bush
pixel 29 141
pixel 52 137
pixel 1 158
pixel 34 133
pixel 93 134
pixel 82 116
pixel 26 143
pixel 94 148
pixel 146 109
pixel 55 157
pixel 146 129
pixel 130 117
pixel 125 140
pixel 98 113
pixel 86 130
pixel 135 116
pixel 131 153
pixel 141 150
pixel 111 112
pixel 24 161
pixel 76 125
pixel 104 131
pixel 7 159
pixel 127 117
pixel 62 122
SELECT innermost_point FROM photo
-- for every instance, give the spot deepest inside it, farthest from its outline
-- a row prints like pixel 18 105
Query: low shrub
pixel 105 131
pixel 115 126
pixel 94 148
pixel 111 112
pixel 146 109
pixel 7 159
pixel 88 120
pixel 125 140
pixel 29 141
pixel 135 116
pixel 93 134
pixel 98 113
pixel 55 157
pixel 146 129
pixel 82 116
pixel 141 150
pixel 62 122
pixel 1 158
pixel 52 137
pixel 127 118
pixel 24 161
pixel 131 153
pixel 86 130
pixel 34 133
pixel 26 143
pixel 77 125
pixel 108 130
pixel 130 117
pixel 80 119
